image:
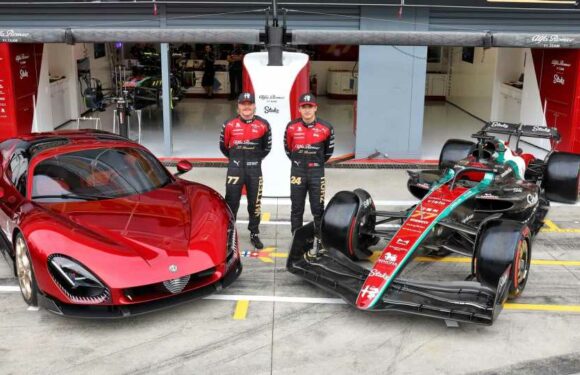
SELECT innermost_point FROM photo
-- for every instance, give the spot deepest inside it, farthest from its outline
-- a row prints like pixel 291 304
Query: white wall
pixel 532 106
pixel 472 85
pixel 510 65
pixel 320 68
pixel 61 62
pixel 42 120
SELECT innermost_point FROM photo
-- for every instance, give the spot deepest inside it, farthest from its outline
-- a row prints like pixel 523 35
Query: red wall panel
pixel 558 76
pixel 19 75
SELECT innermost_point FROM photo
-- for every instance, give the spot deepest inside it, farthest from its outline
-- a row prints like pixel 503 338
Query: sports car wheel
pixel 25 273
pixel 347 222
pixel 454 150
pixel 562 177
pixel 503 244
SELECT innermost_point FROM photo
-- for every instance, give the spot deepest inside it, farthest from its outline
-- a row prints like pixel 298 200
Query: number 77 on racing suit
pixel 246 139
pixel 309 143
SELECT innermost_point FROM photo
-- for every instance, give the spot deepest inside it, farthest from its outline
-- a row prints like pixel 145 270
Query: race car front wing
pixel 463 301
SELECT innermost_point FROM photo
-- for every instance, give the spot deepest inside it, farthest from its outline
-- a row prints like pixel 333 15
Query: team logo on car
pixel 369 291
pixel 173 268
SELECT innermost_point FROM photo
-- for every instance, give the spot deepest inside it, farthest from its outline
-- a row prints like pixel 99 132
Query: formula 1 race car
pixel 484 201
pixel 95 226
pixel 146 91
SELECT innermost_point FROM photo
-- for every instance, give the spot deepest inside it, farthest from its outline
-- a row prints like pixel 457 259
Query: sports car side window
pixel 18 167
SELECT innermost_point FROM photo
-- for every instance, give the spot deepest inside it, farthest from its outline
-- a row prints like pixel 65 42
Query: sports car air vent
pixel 176 285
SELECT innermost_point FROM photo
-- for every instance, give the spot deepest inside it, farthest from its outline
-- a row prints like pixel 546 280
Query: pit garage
pixel 273 321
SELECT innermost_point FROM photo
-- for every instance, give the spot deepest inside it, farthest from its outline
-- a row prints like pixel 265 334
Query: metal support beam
pixel 167 98
pixel 433 38
pixel 299 37
pixel 136 35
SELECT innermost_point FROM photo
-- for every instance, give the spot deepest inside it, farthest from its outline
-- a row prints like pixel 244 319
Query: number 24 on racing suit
pixel 308 146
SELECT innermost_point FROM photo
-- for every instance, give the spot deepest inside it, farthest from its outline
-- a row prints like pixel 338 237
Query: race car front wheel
pixel 562 176
pixel 347 223
pixel 502 244
pixel 25 273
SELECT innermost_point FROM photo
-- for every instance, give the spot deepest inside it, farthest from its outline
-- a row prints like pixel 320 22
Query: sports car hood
pixel 181 224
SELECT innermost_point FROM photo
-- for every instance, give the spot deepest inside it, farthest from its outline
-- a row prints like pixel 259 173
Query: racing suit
pixel 308 146
pixel 245 143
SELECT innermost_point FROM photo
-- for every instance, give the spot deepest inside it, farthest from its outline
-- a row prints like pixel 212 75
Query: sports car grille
pixel 176 285
pixel 169 287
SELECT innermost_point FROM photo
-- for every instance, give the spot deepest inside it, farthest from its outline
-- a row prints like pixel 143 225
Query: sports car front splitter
pixel 464 301
pixel 124 311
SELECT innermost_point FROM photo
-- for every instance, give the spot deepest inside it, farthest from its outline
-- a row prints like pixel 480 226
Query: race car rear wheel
pixel 25 273
pixel 454 150
pixel 562 177
pixel 502 244
pixel 346 223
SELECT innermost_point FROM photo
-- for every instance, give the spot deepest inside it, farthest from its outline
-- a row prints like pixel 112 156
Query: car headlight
pixel 76 281
pixel 232 244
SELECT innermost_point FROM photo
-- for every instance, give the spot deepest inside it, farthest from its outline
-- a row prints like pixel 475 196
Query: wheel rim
pixel 522 265
pixel 23 269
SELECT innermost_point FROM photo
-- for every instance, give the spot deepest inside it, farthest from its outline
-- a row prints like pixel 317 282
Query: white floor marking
pixel 9 289
pixel 403 202
pixel 238 297
pixel 284 222
pixel 287 202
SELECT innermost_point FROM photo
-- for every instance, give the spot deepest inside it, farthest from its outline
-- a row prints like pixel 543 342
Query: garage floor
pixel 270 321
pixel 197 123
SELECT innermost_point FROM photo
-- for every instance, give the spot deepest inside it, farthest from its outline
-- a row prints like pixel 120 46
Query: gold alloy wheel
pixel 523 263
pixel 23 269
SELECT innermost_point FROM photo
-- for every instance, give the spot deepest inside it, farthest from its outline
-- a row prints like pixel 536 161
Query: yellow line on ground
pixel 550 226
pixel 266 216
pixel 539 262
pixel 443 260
pixel 548 262
pixel 241 309
pixel 376 254
pixel 531 307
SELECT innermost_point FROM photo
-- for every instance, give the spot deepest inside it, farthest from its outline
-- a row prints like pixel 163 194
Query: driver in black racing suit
pixel 309 143
pixel 246 139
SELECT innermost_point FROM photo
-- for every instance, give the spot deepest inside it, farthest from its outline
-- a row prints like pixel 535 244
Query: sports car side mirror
pixel 183 166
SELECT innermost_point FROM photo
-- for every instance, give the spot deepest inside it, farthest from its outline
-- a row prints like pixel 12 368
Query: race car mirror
pixel 183 166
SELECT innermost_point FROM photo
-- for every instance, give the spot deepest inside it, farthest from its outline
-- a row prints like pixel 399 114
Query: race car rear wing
pixel 520 130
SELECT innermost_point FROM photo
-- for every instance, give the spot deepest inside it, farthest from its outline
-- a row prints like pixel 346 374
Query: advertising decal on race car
pixel 437 205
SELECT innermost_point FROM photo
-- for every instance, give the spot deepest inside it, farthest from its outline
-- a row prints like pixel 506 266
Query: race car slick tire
pixel 345 217
pixel 502 244
pixel 562 177
pixel 24 272
pixel 454 150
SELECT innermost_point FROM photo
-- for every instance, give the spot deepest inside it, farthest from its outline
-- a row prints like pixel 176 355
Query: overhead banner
pixel 277 89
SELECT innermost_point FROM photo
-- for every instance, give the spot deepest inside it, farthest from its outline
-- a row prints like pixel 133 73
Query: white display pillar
pixel 277 89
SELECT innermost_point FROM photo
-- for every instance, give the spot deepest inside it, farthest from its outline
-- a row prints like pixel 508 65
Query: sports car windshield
pixel 96 174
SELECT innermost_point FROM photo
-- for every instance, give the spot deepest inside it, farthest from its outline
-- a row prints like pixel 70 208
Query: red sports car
pixel 95 226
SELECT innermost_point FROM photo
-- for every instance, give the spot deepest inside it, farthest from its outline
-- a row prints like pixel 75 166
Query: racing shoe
pixel 255 240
